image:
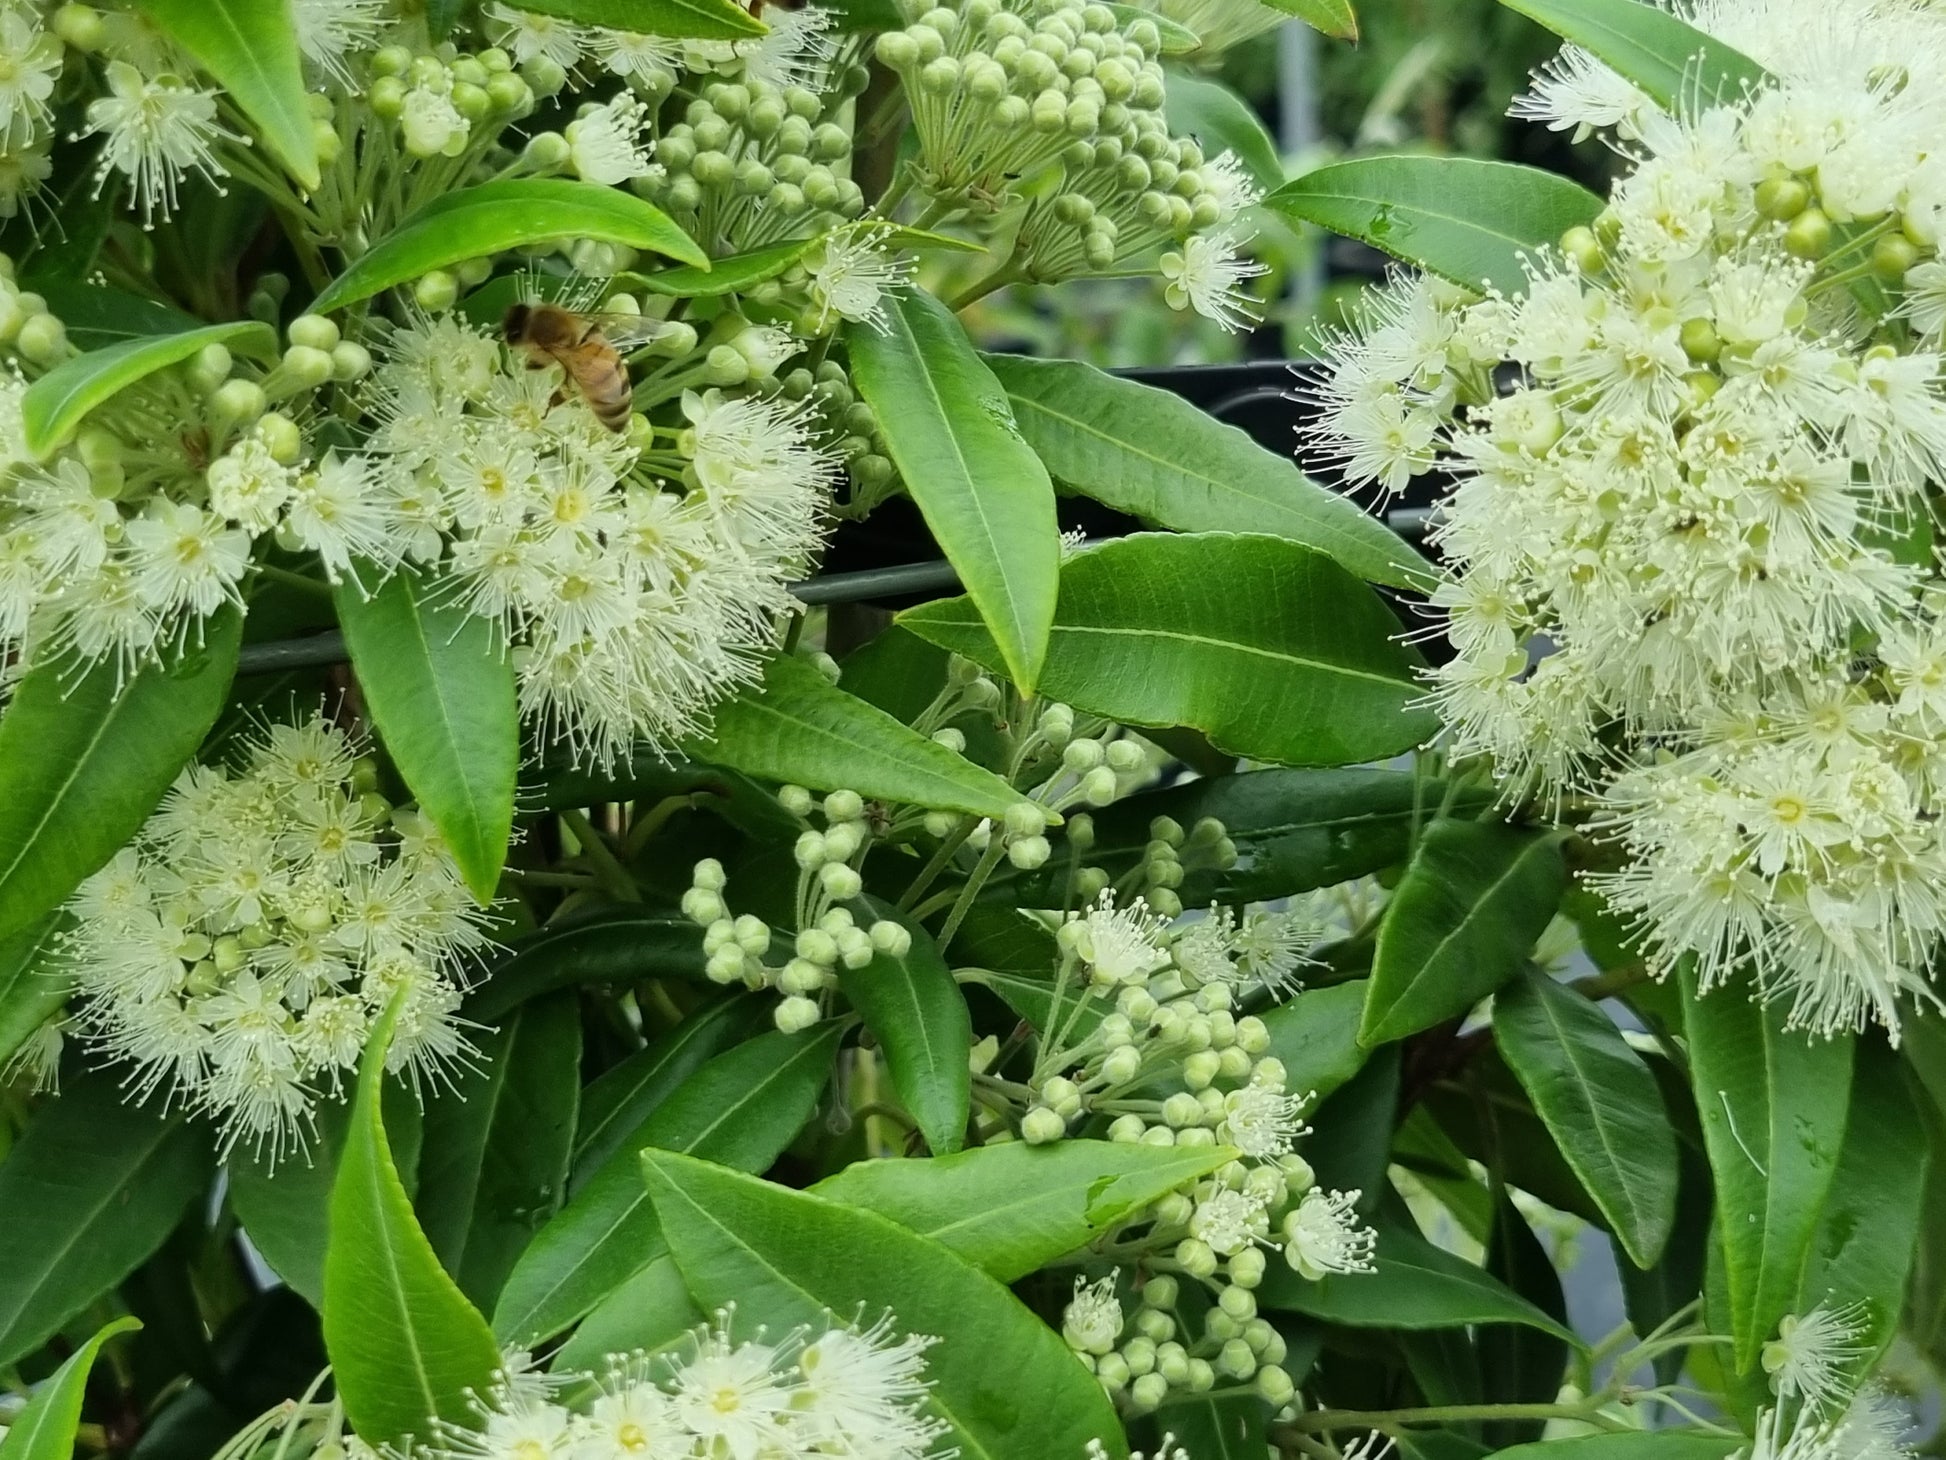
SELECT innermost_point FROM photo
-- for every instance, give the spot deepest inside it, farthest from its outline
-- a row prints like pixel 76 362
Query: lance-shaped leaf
pixel 649 1312
pixel 1304 669
pixel 983 491
pixel 32 986
pixel 1773 1103
pixel 1233 1426
pixel 406 1347
pixel 1475 897
pixel 1012 1209
pixel 1316 1036
pixel 492 217
pixel 915 1009
pixel 83 762
pixel 1335 18
pixel 1599 1102
pixel 1002 1379
pixel 90 1190
pixel 623 945
pixel 1470 221
pixel 1668 58
pixel 440 688
pixel 1153 455
pixel 1222 121
pixel 46 1428
pixel 800 728
pixel 708 20
pixel 250 48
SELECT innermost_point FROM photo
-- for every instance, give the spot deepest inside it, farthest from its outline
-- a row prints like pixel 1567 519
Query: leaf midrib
pixel 970 788
pixel 1207 642
pixel 1491 891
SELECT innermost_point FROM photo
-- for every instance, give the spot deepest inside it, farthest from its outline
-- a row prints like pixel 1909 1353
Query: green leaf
pixel 1003 1380
pixel 983 491
pixel 83 762
pixel 32 986
pixel 709 20
pixel 1012 1209
pixel 1467 220
pixel 286 1207
pixel 96 315
pixel 1664 55
pixel 919 1017
pixel 1351 1140
pixel 1773 1104
pixel 1152 454
pixel 46 1428
pixel 1518 1364
pixel 405 1345
pixel 1177 39
pixel 492 217
pixel 730 275
pixel 1647 1445
pixel 1334 17
pixel 1463 921
pixel 91 1189
pixel 618 1102
pixel 1222 121
pixel 1869 1233
pixel 742 1108
pixel 800 728
pixel 250 48
pixel 497 1144
pixel 1316 1036
pixel 1233 1427
pixel 1415 1285
pixel 440 689
pixel 651 1311
pixel 1599 1102
pixel 1304 668
pixel 621 945
pixel 55 404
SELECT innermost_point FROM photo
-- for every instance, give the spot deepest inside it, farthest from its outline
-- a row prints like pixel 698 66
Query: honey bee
pixel 592 365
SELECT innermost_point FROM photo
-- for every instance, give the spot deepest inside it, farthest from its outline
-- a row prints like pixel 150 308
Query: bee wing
pixel 626 331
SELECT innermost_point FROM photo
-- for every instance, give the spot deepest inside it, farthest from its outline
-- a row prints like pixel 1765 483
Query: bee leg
pixel 536 362
pixel 558 398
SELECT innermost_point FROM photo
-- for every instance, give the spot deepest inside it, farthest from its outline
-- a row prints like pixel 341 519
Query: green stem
pixel 1000 278
pixel 1324 1420
pixel 294 580
pixel 610 873
pixel 989 859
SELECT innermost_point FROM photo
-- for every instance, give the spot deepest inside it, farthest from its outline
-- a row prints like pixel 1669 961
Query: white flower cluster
pixel 1689 542
pixel 238 952
pixel 848 1391
pixel 632 607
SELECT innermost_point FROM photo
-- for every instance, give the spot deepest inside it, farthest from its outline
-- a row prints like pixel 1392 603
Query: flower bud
pixel 753 935
pixel 1172 1363
pixel 1113 1371
pixel 1781 199
pixel 1147 1392
pixel 1809 235
pixel 1194 1257
pixel 818 946
pixel 794 799
pixel 809 851
pixel 43 339
pixel 1124 755
pixel 435 292
pixel 842 841
pixel 1182 1109
pixel 800 976
pixel 1201 1068
pixel 1122 1065
pixel 890 938
pixel 1099 786
pixel 1246 1270
pixel 841 883
pixel 796 1014
pixel 1126 1129
pixel 1082 756
pixel 1029 852
pixel 1274 1385
pixel 350 361
pixel 725 965
pixel 280 437
pixel 1040 1126
pixel 855 948
pixel 700 905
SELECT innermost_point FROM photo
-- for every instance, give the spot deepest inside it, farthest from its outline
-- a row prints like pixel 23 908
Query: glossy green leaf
pixel 55 405
pixel 1664 55
pixel 96 315
pixel 1520 1364
pixel 710 20
pixel 90 1190
pixel 492 217
pixel 1600 1103
pixel 1153 455
pixel 1335 18
pixel 45 1429
pixel 620 945
pixel 1177 39
pixel 800 728
pixel 730 275
pixel 1222 121
pixel 916 1012
pixel 651 1311
pixel 440 688
pixel 250 48
pixel 1350 1143
pixel 1646 1445
pixel 84 761
pixel 1866 1240
pixel 1475 897
pixel 1304 669
pixel 1467 220
pixel 1773 1103
pixel 497 1144
pixel 1002 1379
pixel 742 1109
pixel 1316 1036
pixel 1414 1285
pixel 285 1206
pixel 1230 1427
pixel 1012 1209
pixel 405 1345
pixel 32 987
pixel 983 491
pixel 621 1099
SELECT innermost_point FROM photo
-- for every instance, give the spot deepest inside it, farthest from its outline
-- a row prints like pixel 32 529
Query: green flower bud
pixel 1145 1393
pixel 1113 1371
pixel 435 292
pixel 1274 1385
pixel 280 437
pixel 79 26
pixel 1041 1126
pixel 1099 786
pixel 43 339
pixel 713 169
pixel 840 882
pixel 897 50
pixel 1809 235
pixel 1892 256
pixel 804 103
pixel 725 366
pixel 471 102
pixel 795 1015
pixel 544 75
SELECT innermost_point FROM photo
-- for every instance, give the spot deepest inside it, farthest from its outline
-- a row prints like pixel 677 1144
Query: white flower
pixel 647 61
pixel 249 486
pixel 610 143
pixel 330 30
pixel 733 1398
pixel 1230 183
pixel 156 129
pixel 338 512
pixel 1814 1355
pixel 1092 1321
pixel 30 64
pixel 532 36
pixel 1261 1121
pixel 1120 945
pixel 861 1392
pixel 1207 275
pixel 429 122
pixel 1323 1235
pixel 1874 1427
pixel 852 270
pixel 22 171
pixel 186 558
pixel 1272 946
pixel 1228 1221
pixel 797 51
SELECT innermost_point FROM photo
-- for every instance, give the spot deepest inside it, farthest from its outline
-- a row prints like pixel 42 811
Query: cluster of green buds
pixel 1119 200
pixel 850 428
pixel 998 94
pixel 1170 856
pixel 437 99
pixel 752 164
